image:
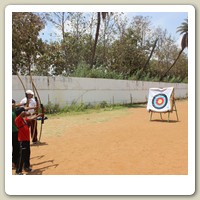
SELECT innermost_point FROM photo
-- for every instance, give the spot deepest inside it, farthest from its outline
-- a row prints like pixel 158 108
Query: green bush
pixel 83 70
pixel 78 107
pixel 52 108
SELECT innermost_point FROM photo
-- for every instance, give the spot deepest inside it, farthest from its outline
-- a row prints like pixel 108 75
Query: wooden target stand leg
pixel 173 109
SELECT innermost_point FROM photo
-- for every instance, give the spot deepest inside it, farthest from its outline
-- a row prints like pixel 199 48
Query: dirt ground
pixel 114 142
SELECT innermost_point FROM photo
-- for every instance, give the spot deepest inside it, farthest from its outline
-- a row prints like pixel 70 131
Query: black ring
pixel 161 96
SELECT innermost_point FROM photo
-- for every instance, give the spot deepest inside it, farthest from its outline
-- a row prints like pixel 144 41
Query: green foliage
pixel 81 107
pixel 83 70
pixel 125 49
pixel 52 108
pixel 75 107
pixel 185 80
pixel 183 28
pixel 26 45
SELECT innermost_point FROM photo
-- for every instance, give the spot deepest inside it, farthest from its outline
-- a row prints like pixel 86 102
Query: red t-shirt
pixel 23 128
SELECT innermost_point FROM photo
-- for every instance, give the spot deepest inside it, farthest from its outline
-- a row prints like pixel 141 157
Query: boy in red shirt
pixel 21 122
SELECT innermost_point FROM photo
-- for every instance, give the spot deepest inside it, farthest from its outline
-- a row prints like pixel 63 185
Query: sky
pixel 165 20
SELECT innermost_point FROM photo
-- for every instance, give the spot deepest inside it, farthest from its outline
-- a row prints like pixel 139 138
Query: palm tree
pixel 183 29
pixel 100 15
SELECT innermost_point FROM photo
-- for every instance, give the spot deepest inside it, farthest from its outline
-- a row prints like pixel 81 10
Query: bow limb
pixel 36 92
pixel 41 105
pixel 20 79
pixel 31 80
pixel 21 83
pixel 42 110
pixel 34 87
pixel 42 121
pixel 35 120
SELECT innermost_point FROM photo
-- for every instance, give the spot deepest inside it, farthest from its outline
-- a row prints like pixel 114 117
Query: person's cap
pixel 29 92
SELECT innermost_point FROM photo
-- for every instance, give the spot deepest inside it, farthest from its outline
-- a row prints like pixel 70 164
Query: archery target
pixel 159 101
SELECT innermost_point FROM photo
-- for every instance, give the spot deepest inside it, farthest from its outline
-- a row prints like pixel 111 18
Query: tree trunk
pixel 147 62
pixel 96 38
pixel 154 46
pixel 161 78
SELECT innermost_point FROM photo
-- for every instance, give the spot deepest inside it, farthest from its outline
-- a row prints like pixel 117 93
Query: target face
pixel 159 101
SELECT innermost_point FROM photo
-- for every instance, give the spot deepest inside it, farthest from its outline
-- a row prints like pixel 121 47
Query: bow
pixel 15 69
pixel 42 109
pixel 35 122
pixel 38 103
pixel 42 121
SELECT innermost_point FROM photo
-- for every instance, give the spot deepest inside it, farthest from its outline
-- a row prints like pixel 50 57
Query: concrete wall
pixel 65 90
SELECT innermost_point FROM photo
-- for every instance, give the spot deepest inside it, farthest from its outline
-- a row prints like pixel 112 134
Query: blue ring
pixel 163 96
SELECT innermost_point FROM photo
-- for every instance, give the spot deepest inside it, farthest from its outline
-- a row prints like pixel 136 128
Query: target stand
pixel 161 100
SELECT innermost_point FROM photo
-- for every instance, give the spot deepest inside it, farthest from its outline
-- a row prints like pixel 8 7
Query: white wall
pixel 65 90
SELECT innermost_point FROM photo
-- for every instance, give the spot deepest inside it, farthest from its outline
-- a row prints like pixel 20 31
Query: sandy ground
pixel 113 143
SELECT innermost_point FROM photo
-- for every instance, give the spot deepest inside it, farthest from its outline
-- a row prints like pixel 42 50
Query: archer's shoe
pixel 36 142
pixel 13 166
pixel 28 169
pixel 20 173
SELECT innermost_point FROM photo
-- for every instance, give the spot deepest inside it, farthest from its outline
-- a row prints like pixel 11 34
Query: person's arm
pixel 32 117
pixel 30 108
pixel 33 107
pixel 18 105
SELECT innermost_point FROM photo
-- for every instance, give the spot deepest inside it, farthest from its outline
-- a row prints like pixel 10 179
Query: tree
pixel 143 35
pixel 127 55
pixel 25 43
pixel 51 60
pixel 124 49
pixel 76 36
pixel 183 29
pixel 107 36
pixel 59 19
pixel 121 22
pixel 99 15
